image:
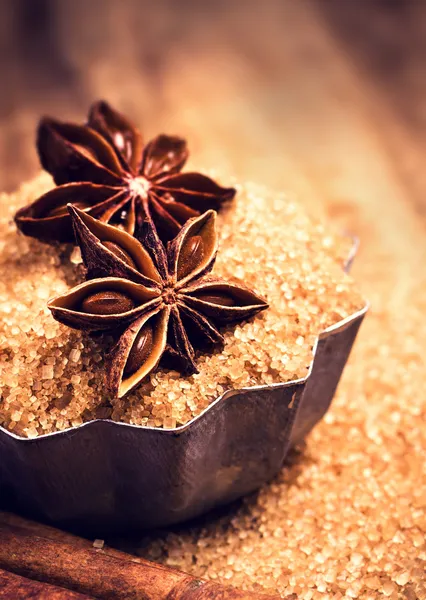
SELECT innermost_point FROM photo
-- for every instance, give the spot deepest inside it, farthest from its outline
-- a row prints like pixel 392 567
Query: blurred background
pixel 325 99
pixel 322 97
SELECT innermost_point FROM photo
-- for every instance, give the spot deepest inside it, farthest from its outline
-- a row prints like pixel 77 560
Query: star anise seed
pixel 103 168
pixel 191 254
pixel 141 349
pixel 164 299
pixel 125 257
pixel 107 303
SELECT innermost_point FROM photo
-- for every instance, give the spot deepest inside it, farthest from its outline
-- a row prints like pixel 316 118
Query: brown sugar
pixel 52 376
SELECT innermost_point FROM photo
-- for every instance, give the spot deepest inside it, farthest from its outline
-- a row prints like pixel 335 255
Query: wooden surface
pixel 306 95
pixel 324 98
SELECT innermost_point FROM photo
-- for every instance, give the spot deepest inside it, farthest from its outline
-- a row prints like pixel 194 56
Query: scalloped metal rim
pixel 110 477
pixel 339 326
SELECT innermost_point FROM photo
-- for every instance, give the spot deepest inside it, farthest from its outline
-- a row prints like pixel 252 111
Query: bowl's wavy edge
pixel 336 327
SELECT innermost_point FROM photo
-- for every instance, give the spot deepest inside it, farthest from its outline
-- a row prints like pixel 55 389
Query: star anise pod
pixel 159 298
pixel 103 168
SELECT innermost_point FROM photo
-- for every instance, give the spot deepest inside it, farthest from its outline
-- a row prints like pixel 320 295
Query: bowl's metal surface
pixel 105 476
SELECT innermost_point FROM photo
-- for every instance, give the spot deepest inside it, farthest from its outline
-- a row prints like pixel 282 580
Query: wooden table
pixel 286 93
pixel 326 98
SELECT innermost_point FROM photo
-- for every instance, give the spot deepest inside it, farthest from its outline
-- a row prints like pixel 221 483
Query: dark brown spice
pixel 62 210
pixel 104 168
pixel 50 555
pixel 107 303
pixel 121 253
pixel 191 254
pixel 141 349
pixel 217 299
pixel 167 303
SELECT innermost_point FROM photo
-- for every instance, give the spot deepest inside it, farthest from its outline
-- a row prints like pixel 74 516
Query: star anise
pixel 158 298
pixel 103 168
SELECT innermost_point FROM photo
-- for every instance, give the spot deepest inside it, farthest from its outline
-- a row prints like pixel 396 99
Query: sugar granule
pixel 346 517
pixel 52 376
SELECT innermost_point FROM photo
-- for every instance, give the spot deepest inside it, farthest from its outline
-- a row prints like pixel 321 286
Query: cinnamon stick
pixel 45 554
pixel 14 587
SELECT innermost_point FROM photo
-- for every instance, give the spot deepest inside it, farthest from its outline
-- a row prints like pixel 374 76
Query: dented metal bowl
pixel 104 477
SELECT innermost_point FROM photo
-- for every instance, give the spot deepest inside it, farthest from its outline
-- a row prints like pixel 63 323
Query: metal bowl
pixel 104 477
